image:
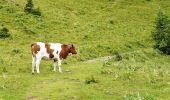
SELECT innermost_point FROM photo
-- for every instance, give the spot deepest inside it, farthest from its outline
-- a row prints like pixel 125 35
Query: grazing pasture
pixel 115 56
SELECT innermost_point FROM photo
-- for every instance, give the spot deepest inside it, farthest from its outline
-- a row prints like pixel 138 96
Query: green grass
pixel 97 28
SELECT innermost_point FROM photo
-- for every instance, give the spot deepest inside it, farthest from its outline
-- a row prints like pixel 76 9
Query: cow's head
pixel 72 49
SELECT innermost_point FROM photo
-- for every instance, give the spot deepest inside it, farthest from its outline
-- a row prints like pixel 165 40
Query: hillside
pixel 98 28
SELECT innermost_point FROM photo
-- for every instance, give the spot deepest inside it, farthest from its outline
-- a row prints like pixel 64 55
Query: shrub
pixel 4 33
pixel 118 57
pixel 36 12
pixel 161 34
pixel 29 8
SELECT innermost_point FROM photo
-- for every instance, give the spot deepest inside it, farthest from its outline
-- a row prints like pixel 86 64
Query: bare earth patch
pixel 32 98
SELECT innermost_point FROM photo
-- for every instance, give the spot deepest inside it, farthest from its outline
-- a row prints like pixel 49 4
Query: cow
pixel 53 51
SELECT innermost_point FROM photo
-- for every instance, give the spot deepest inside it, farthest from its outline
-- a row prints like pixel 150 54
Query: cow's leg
pixel 59 66
pixel 37 64
pixel 55 65
pixel 33 63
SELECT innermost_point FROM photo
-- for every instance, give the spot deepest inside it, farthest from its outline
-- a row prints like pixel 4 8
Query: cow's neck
pixel 64 52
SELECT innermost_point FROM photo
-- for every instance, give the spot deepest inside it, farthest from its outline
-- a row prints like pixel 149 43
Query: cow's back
pixel 47 50
pixel 56 47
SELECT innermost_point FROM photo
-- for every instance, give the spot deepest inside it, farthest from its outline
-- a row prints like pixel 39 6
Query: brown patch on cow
pixel 35 48
pixel 64 51
pixel 49 51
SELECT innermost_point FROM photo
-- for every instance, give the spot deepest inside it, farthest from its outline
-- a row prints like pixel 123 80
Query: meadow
pixel 115 61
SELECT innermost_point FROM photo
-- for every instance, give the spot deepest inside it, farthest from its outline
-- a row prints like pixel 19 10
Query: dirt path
pixel 110 57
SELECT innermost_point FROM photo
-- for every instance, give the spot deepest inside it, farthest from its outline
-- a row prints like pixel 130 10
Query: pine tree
pixel 161 34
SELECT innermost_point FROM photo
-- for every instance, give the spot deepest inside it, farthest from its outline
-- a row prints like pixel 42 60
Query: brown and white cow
pixel 54 51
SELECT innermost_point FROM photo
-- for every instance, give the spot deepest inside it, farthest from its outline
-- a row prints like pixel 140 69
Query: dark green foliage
pixel 161 34
pixel 91 80
pixel 36 12
pixel 1 7
pixel 4 33
pixel 4 69
pixel 29 8
pixel 111 22
pixel 118 57
pixel 15 51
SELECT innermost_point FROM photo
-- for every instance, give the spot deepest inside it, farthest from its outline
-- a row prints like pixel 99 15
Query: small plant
pixel 91 80
pixel 111 22
pixel 15 51
pixel 4 33
pixel 118 57
pixel 161 34
pixel 3 67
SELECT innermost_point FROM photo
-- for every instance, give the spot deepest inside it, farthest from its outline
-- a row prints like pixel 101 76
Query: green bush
pixel 161 34
pixel 36 12
pixel 4 33
pixel 29 8
pixel 118 57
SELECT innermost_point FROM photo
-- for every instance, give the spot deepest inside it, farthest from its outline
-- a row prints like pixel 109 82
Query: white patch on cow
pixel 42 54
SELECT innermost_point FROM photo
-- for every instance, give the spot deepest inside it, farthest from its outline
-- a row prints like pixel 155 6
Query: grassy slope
pixel 100 26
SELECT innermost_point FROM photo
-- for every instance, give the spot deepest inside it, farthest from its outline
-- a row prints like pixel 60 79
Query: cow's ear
pixel 72 45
